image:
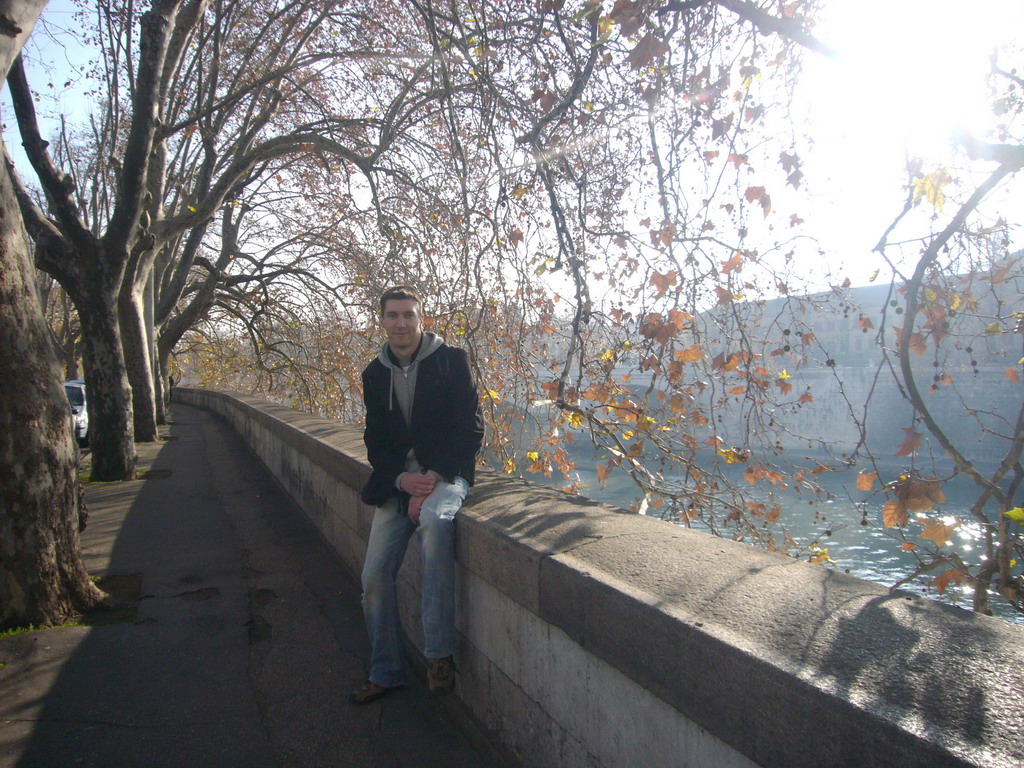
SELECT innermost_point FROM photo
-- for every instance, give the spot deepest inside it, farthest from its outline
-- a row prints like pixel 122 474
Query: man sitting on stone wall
pixel 423 432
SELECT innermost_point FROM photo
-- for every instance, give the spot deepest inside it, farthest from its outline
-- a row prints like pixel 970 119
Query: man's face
pixel 402 325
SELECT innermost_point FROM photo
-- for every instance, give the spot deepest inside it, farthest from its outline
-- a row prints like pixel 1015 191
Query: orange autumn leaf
pixel 894 514
pixel 806 397
pixel 720 363
pixel 724 295
pixel 937 531
pixel 663 282
pixel 690 354
pixel 919 494
pixel 911 442
pixel 737 159
pixel 866 480
pixel 918 343
pixel 773 514
pixel 754 194
pixel 908 546
pixel 739 390
pixel 733 264
pixel 678 318
pixel 655 327
pixel 943 580
pixel 1012 375
pixel 646 51
pixel 663 236
pixel 757 472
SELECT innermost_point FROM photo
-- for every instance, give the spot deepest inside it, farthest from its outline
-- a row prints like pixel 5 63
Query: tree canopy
pixel 600 201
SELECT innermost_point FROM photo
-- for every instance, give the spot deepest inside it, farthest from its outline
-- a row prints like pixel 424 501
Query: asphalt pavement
pixel 247 638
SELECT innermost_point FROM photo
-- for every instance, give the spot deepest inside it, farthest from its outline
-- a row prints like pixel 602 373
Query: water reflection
pixel 849 525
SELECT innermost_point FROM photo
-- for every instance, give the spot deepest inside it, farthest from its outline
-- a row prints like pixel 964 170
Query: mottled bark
pixel 42 579
pixel 135 343
pixel 110 397
pixel 162 390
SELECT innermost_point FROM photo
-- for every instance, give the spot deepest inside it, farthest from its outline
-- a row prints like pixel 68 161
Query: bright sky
pixel 907 75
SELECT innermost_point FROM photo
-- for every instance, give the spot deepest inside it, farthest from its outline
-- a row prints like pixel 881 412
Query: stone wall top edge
pixel 327 441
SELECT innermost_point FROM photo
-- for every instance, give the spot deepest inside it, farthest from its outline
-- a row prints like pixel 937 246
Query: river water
pixel 867 551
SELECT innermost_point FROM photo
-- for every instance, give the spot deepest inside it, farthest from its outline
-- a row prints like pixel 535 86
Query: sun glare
pixel 912 73
pixel 907 77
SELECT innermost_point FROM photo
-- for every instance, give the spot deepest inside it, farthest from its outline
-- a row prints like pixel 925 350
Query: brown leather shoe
pixel 440 676
pixel 370 691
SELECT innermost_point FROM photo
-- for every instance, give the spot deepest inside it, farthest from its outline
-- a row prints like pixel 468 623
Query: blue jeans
pixel 389 538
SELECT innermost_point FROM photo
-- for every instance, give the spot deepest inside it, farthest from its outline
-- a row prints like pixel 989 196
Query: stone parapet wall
pixel 601 639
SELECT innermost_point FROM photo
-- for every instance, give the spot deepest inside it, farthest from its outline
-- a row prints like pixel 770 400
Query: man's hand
pixel 413 511
pixel 417 484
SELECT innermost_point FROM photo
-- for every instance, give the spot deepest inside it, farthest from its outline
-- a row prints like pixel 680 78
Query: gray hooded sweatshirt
pixel 403 381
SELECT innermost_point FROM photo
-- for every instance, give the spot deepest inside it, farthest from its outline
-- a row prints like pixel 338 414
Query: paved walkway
pixel 248 638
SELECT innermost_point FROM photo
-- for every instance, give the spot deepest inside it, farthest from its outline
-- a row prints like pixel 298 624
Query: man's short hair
pixel 399 292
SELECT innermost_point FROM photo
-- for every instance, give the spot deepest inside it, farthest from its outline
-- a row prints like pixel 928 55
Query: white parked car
pixel 76 396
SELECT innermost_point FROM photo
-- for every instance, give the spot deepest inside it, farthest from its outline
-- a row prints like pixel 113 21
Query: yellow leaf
pixel 518 192
pixel 820 556
pixel 734 455
pixel 993 329
pixel 930 188
pixel 1017 513
pixel 532 455
pixel 784 375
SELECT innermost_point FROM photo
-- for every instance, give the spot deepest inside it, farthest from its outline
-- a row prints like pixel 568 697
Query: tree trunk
pixel 162 390
pixel 135 342
pixel 109 395
pixel 42 579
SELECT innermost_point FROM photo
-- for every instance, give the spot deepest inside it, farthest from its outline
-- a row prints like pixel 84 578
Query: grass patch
pixel 15 631
pixel 87 480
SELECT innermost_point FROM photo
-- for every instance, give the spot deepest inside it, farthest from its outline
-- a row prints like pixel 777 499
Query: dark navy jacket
pixel 447 428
